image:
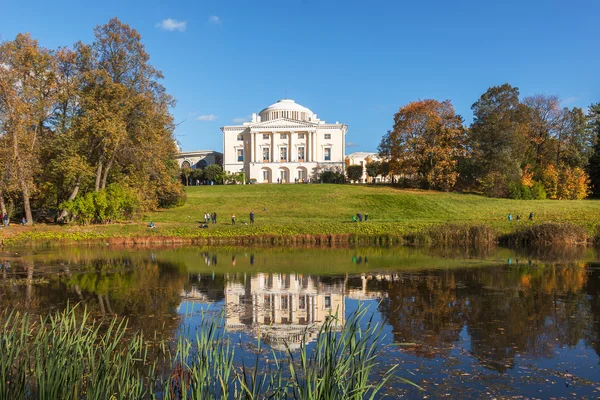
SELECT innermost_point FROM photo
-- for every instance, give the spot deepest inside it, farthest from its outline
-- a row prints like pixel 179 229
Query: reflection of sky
pixel 456 371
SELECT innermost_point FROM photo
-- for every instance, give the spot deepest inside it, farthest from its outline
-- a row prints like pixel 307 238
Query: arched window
pixel 201 164
pixel 186 164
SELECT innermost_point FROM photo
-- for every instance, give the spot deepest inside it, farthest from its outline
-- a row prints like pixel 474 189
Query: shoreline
pixel 445 234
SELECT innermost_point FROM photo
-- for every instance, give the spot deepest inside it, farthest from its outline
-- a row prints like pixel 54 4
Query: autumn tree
pixel 426 143
pixel 27 82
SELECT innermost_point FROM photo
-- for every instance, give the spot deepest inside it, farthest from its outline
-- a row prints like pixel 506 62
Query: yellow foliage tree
pixel 550 181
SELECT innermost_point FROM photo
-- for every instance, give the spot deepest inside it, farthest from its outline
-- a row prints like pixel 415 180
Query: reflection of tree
pixel 147 294
pixel 528 310
pixel 593 291
pixel 424 309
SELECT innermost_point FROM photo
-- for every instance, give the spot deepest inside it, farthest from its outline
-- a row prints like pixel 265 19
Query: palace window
pixel 327 153
pixel 328 136
pixel 285 302
pixel 240 155
pixel 327 301
pixel 283 136
pixel 266 153
pixel 266 176
pixel 283 153
pixel 265 136
pixel 301 154
pixel 302 302
pixel 301 136
pixel 240 137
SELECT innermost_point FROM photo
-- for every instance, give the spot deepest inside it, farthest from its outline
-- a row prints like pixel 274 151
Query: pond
pixel 484 323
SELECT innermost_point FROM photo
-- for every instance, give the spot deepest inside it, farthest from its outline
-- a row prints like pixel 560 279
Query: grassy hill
pixel 327 209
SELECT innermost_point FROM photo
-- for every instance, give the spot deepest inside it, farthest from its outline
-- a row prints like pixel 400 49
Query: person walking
pixel 251 217
pixel 5 219
pixel 531 216
pixel 232 219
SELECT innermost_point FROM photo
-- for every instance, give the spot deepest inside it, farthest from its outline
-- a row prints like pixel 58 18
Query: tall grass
pixel 68 355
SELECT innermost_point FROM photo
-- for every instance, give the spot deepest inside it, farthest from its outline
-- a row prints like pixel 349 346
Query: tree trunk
pixel 64 213
pixel 106 170
pixel 22 181
pixel 98 174
pixel 26 204
pixel 2 205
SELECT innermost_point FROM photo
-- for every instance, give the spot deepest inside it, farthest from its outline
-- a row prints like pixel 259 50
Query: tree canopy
pixel 76 120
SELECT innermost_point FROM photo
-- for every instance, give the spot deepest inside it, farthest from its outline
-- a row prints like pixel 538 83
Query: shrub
pixel 537 191
pixel 330 176
pixel 518 191
pixel 115 202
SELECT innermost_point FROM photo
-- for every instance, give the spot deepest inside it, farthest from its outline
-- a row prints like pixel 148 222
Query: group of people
pixel 5 220
pixel 210 217
pixel 518 217
pixel 359 217
pixel 233 218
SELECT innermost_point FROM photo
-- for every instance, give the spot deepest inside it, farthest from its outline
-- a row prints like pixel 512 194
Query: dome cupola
pixel 286 108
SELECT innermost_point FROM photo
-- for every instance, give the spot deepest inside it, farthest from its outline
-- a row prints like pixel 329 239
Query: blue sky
pixel 350 61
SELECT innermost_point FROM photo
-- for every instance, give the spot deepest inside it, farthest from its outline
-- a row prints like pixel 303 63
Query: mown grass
pixel 70 356
pixel 313 210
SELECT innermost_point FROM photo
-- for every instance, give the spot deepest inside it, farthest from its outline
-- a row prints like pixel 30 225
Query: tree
pixel 354 172
pixel 426 143
pixel 574 140
pixel 212 172
pixel 546 119
pixel 498 139
pixel 27 81
pixel 593 167
pixel 372 169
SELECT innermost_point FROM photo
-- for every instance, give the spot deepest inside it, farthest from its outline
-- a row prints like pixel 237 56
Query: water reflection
pixel 492 315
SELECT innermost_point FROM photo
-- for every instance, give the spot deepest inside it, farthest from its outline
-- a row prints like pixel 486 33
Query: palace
pixel 285 142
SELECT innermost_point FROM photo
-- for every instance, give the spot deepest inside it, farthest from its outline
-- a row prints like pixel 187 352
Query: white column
pixel 291 157
pixel 272 147
pixel 251 145
pixel 314 146
pixel 307 151
pixel 254 147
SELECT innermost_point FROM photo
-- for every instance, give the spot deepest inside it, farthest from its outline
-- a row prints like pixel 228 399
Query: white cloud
pixel 209 117
pixel 172 25
pixel 214 19
pixel 351 144
pixel 570 100
pixel 242 120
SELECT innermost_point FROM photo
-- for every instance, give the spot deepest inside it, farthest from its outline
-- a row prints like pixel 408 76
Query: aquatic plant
pixel 69 355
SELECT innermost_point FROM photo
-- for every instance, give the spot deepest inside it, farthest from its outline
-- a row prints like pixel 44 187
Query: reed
pixel 547 234
pixel 68 355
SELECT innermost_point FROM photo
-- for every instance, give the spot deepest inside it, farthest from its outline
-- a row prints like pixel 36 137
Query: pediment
pixel 283 123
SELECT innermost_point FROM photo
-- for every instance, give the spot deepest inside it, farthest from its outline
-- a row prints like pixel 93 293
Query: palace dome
pixel 286 108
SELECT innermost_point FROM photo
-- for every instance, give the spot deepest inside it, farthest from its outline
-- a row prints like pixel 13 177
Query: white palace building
pixel 285 142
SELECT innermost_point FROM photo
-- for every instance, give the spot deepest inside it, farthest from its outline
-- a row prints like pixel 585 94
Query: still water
pixel 482 323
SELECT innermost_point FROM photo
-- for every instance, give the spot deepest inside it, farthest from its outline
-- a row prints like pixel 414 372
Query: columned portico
pixel 284 143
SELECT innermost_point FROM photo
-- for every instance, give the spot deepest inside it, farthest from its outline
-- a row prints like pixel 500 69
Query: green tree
pixel 354 172
pixel 574 140
pixel 373 169
pixel 426 143
pixel 213 172
pixel 498 138
pixel 593 167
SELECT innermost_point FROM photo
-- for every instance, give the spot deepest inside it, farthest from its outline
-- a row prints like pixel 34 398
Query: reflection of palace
pixel 281 308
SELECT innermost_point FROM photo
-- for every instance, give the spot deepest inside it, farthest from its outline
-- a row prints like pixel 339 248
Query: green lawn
pixel 327 209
